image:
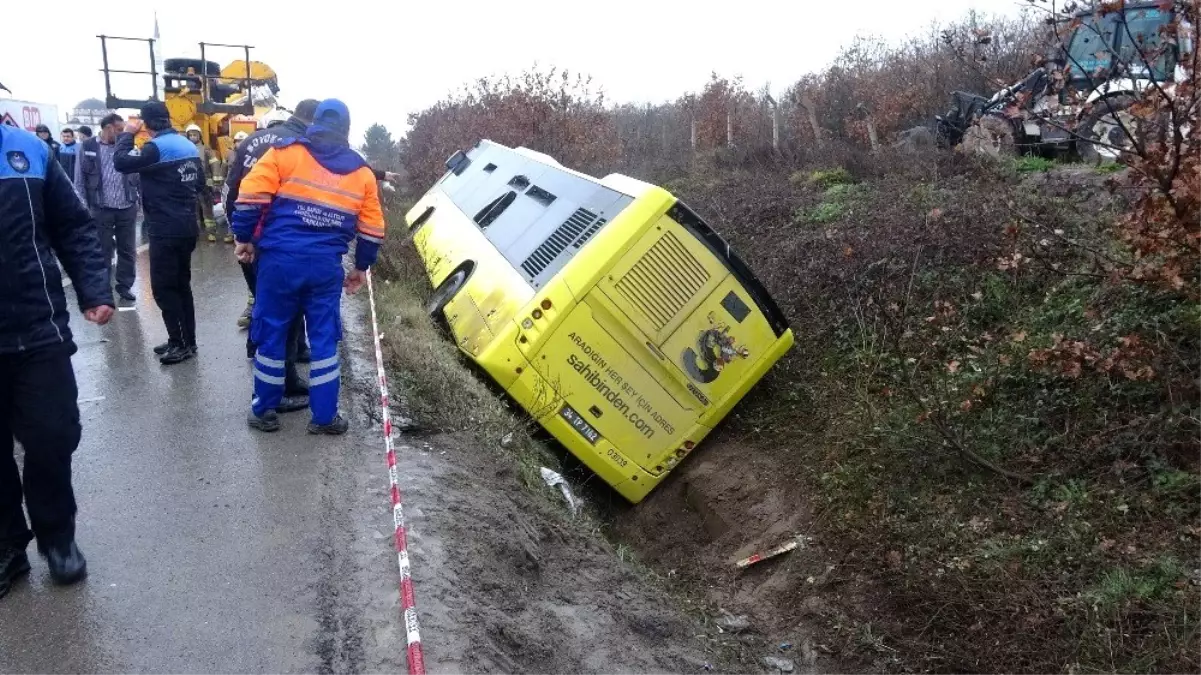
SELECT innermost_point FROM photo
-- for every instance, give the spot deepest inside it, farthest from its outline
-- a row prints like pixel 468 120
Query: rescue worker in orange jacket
pixel 297 211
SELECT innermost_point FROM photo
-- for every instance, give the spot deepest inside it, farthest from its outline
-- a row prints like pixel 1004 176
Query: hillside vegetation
pixel 990 423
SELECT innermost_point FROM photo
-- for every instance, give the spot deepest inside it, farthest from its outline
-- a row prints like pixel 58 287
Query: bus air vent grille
pixel 582 224
pixel 664 281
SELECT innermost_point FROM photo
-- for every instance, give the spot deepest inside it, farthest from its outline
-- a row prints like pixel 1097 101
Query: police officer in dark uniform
pixel 41 220
pixel 171 179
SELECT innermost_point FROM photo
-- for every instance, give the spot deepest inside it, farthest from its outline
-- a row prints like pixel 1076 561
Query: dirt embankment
pixel 506 579
pixel 731 501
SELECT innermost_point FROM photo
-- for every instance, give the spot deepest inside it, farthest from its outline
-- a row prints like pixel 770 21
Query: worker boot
pixel 289 404
pixel 244 319
pixel 229 238
pixel 335 428
pixel 166 347
pixel 176 354
pixel 269 422
pixel 210 232
pixel 14 564
pixel 66 562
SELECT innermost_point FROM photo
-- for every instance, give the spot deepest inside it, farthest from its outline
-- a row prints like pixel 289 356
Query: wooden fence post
pixel 775 123
pixel 811 110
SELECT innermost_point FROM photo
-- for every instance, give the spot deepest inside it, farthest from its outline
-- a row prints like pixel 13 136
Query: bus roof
pixel 631 187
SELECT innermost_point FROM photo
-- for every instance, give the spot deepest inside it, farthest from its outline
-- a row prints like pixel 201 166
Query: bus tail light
pixel 537 314
pixel 546 303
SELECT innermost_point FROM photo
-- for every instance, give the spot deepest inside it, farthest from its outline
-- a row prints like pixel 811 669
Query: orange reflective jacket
pixel 290 202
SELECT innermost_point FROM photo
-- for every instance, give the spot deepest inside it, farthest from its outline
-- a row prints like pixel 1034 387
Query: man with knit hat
pixel 171 178
pixel 248 152
pixel 296 213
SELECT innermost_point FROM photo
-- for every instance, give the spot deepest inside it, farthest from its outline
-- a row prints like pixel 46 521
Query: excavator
pixel 1078 102
pixel 221 101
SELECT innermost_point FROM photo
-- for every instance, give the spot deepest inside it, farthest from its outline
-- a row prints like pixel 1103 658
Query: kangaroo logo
pixel 714 349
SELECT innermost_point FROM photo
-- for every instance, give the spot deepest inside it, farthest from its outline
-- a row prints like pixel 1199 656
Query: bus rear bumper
pixel 535 394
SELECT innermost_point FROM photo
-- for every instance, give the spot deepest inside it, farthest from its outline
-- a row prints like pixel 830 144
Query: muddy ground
pixel 731 501
pixel 507 581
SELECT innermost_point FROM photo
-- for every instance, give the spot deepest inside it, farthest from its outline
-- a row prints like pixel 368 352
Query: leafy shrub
pixel 826 178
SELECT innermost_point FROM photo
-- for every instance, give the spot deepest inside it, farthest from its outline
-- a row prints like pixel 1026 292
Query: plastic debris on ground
pixel 730 623
pixel 779 664
pixel 796 542
pixel 554 479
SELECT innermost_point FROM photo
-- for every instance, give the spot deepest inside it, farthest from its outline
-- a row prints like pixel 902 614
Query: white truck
pixel 28 115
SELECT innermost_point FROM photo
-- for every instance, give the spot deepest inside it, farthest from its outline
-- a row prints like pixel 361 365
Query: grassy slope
pixel 919 362
pixel 917 367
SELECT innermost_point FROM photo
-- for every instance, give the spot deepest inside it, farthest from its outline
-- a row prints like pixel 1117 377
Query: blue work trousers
pixel 289 283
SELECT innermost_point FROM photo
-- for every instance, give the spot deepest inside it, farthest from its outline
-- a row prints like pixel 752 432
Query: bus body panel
pixel 494 292
pixel 600 376
pixel 662 279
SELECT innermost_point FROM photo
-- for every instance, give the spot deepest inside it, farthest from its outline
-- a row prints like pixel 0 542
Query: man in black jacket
pixel 43 132
pixel 171 177
pixel 41 220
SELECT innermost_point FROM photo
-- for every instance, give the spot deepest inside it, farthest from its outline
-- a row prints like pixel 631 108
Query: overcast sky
pixel 386 59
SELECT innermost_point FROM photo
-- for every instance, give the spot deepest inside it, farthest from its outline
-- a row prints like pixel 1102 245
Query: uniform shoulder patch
pixel 18 161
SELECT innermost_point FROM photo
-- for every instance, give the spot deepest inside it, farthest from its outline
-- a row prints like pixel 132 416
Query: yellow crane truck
pixel 221 101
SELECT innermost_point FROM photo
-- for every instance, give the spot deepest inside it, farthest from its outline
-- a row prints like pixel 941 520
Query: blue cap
pixel 333 115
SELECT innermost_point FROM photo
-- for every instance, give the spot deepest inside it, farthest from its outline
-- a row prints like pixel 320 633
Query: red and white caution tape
pixel 408 602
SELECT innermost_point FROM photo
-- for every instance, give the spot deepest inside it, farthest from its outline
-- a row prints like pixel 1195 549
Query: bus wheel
pixel 444 293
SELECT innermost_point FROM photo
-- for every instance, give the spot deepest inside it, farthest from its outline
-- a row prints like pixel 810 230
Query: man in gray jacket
pixel 112 198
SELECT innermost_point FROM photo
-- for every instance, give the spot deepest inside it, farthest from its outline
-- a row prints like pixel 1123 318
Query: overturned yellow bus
pixel 606 308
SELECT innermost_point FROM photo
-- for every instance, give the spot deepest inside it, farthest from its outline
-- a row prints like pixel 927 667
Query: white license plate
pixel 579 424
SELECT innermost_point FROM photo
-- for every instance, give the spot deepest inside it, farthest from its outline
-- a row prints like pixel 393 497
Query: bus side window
pixel 494 208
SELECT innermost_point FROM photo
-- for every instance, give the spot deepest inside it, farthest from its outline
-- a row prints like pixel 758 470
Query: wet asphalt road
pixel 211 547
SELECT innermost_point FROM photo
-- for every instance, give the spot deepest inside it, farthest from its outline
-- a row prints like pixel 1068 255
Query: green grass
pixel 824 178
pixel 825 212
pixel 436 383
pixel 1109 167
pixel 1031 164
pixel 838 201
pixel 1123 586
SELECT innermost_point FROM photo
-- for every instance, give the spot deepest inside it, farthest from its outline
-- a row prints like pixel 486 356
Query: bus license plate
pixel 579 424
